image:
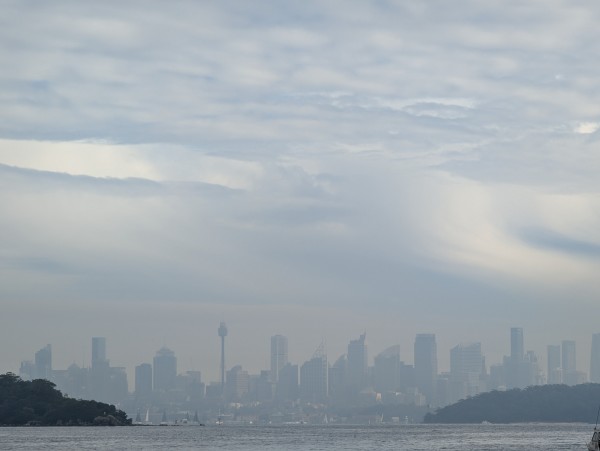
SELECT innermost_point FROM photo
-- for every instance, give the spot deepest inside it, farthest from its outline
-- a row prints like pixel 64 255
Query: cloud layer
pixel 348 156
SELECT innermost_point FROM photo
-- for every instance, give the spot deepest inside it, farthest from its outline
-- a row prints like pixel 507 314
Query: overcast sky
pixel 306 168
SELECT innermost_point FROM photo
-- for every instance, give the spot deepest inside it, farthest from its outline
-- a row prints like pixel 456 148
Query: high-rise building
pixel 516 370
pixel 426 365
pixel 287 385
pixel 222 333
pixel 279 355
pixel 165 369
pixel 595 359
pixel 313 378
pixel 98 351
pixel 466 367
pixel 237 383
pixel 554 365
pixel 356 375
pixel 43 363
pixel 517 345
pixel 386 370
pixel 143 380
pixel 569 362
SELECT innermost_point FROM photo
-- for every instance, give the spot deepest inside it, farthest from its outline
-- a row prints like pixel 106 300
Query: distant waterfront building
pixel 554 365
pixel 279 355
pixel 386 370
pixel 143 380
pixel 313 378
pixel 426 365
pixel 43 363
pixel 165 369
pixel 517 344
pixel 466 370
pixel 595 359
pixel 569 362
pixel 237 383
pixel 337 379
pixel 99 352
pixel 516 370
pixel 287 385
pixel 357 364
pixel 222 331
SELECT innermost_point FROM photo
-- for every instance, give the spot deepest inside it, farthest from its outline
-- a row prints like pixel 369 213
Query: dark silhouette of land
pixel 545 403
pixel 39 403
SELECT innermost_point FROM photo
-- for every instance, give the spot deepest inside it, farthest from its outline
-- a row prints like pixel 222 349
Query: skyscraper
pixel 98 351
pixel 426 365
pixel 165 369
pixel 357 364
pixel 517 346
pixel 516 369
pixel 569 362
pixel 279 355
pixel 43 363
pixel 554 365
pixel 143 380
pixel 466 367
pixel 386 370
pixel 595 359
pixel 313 377
pixel 222 333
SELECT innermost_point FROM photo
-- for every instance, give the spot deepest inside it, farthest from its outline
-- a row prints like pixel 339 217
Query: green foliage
pixel 38 402
pixel 545 403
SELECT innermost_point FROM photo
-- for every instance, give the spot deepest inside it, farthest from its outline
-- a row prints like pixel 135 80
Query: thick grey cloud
pixel 431 163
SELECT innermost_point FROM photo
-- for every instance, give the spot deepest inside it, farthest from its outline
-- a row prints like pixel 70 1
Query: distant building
pixel 356 376
pixel 595 359
pixel 43 363
pixel 165 369
pixel 466 370
pixel 237 383
pixel 516 369
pixel 386 370
pixel 287 385
pixel 313 378
pixel 279 355
pixel 569 362
pixel 99 352
pixel 337 379
pixel 426 365
pixel 554 365
pixel 143 380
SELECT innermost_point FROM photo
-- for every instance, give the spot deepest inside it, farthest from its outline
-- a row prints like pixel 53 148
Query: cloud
pixel 405 157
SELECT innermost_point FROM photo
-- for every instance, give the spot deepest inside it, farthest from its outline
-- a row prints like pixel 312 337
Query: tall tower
pixel 98 351
pixel 517 348
pixel 554 365
pixel 426 365
pixel 222 334
pixel 595 360
pixel 517 377
pixel 569 362
pixel 357 364
pixel 164 370
pixel 279 355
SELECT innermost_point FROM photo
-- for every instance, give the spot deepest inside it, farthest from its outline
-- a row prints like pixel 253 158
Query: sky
pixel 307 168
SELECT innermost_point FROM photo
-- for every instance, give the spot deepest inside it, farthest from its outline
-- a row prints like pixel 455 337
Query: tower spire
pixel 222 334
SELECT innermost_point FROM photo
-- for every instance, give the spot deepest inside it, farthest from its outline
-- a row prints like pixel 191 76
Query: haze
pixel 313 169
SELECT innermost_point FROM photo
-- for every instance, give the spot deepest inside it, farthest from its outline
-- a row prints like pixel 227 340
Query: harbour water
pixel 302 437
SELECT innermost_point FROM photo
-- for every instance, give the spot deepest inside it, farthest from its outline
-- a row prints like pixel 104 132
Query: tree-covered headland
pixel 38 402
pixel 544 403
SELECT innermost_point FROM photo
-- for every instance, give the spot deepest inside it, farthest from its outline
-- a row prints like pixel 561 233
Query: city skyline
pixel 312 169
pixel 461 360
